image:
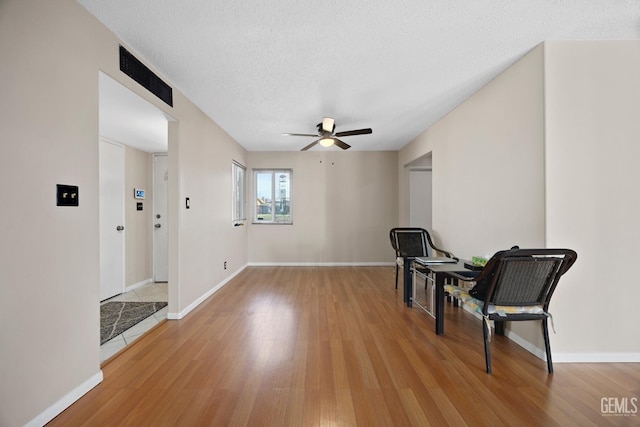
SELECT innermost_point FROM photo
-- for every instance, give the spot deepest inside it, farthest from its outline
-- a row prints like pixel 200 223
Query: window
pixel 273 196
pixel 238 211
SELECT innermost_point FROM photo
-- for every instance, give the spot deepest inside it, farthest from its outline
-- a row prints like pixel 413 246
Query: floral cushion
pixel 501 310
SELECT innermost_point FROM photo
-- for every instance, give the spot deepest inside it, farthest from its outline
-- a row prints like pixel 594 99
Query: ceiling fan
pixel 327 137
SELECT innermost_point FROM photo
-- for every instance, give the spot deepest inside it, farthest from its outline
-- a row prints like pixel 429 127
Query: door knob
pixel 157 226
pixel 120 228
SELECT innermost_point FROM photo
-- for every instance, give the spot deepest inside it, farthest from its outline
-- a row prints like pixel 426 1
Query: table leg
pixel 408 288
pixel 455 300
pixel 439 279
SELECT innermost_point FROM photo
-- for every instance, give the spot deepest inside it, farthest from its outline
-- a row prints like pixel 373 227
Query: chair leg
pixel 397 275
pixel 547 346
pixel 499 327
pixel 487 354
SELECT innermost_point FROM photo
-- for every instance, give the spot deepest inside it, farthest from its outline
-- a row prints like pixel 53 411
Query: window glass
pixel 239 185
pixel 273 196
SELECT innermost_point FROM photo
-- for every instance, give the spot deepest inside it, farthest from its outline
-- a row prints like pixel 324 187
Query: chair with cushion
pixel 517 285
pixel 412 242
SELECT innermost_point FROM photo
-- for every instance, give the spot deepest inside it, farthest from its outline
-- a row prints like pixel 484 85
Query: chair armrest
pixel 445 253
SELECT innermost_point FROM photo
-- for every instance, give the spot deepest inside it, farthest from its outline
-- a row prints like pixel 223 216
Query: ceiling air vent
pixel 139 72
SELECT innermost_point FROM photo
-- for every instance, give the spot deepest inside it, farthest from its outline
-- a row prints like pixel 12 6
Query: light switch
pixel 67 195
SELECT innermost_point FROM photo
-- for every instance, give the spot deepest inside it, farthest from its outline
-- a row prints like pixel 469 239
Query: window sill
pixel 270 223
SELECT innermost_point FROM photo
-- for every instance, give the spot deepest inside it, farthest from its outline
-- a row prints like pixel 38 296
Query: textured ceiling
pixel 259 69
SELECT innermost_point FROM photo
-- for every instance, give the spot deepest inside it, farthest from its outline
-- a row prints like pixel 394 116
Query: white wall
pixel 49 256
pixel 592 100
pixel 343 206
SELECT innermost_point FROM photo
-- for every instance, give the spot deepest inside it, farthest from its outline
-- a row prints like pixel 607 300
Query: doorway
pixel 140 130
pixel 420 197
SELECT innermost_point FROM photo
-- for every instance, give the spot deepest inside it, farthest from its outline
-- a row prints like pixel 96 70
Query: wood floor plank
pixel 314 346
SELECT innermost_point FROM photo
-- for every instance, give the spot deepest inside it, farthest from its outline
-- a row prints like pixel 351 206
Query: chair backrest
pixel 410 241
pixel 526 277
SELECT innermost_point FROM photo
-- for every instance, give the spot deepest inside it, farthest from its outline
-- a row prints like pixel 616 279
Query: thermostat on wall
pixel 138 193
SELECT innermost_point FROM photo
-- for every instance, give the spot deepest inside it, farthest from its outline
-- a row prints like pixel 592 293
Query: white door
pixel 111 172
pixel 160 229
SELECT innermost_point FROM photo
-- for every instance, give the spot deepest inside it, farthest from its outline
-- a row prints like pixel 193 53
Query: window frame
pixel 238 210
pixel 274 174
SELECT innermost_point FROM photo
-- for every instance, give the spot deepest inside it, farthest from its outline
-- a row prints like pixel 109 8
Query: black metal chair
pixel 412 242
pixel 518 285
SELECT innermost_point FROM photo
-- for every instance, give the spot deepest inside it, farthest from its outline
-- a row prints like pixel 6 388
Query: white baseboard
pixel 66 401
pixel 527 345
pixel 138 285
pixel 190 307
pixel 596 357
pixel 320 264
pixel 567 357
pixel 539 353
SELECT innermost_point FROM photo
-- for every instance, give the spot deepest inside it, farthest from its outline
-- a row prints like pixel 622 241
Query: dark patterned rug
pixel 116 317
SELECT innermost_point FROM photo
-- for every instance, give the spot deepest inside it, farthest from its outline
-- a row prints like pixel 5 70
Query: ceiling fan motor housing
pixel 321 131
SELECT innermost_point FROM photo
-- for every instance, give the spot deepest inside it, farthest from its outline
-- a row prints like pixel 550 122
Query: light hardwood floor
pixel 307 346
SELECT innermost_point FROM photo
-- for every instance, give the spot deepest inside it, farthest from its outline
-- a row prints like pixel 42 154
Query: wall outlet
pixel 225 265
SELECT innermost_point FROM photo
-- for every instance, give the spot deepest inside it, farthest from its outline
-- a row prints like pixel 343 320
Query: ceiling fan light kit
pixel 326 142
pixel 326 135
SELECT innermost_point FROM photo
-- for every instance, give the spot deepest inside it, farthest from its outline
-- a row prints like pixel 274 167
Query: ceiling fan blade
pixel 328 124
pixel 355 132
pixel 300 134
pixel 310 145
pixel 341 144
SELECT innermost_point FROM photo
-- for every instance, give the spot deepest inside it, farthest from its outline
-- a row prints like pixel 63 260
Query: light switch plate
pixel 67 195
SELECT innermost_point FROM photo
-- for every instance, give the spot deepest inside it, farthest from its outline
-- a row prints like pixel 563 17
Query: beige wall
pixel 138 250
pixel 488 170
pixel 207 235
pixel 551 144
pixel 592 131
pixel 343 206
pixel 49 272
pixel 488 165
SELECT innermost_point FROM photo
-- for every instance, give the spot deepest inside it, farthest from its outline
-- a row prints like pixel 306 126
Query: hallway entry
pixel 420 195
pixel 138 259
